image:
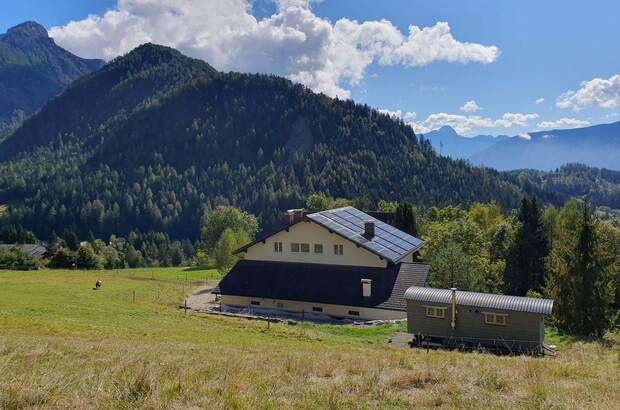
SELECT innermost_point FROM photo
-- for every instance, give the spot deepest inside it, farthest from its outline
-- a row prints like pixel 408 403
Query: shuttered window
pixel 435 311
pixel 495 319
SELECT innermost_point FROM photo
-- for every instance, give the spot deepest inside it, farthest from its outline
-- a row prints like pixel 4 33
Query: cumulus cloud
pixel 540 100
pixel 470 106
pixel 465 124
pixel 393 114
pixel 600 92
pixel 563 123
pixel 293 42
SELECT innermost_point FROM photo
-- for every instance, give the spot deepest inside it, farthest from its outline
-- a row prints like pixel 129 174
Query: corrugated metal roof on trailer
pixel 388 242
pixel 483 300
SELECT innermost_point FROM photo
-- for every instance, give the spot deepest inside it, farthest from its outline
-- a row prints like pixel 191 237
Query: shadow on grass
pixel 198 268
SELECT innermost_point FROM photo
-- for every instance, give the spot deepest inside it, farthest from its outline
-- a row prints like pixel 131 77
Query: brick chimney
pixel 369 229
pixel 294 215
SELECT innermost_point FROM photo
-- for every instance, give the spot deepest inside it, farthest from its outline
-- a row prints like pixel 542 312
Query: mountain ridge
pixel 33 69
pixel 596 146
pixel 168 136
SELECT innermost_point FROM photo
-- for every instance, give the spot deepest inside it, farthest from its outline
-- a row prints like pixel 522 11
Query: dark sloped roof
pixel 388 242
pixel 318 283
pixel 483 300
pixel 34 250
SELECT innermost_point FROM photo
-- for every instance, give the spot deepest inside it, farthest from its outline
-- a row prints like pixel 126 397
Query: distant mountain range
pixel 152 139
pixel 596 146
pixel 33 69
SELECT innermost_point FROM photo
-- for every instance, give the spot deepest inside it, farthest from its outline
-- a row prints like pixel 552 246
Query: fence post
pixel 134 296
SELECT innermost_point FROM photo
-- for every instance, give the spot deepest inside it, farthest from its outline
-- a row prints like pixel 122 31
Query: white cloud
pixel 525 136
pixel 465 124
pixel 393 114
pixel 540 100
pixel 470 106
pixel 563 123
pixel 600 92
pixel 410 116
pixel 293 42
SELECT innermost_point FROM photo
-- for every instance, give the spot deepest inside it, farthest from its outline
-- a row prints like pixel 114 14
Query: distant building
pixel 341 262
pixel 471 319
pixel 37 252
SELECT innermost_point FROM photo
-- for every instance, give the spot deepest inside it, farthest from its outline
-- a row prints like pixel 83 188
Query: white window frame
pixel 293 246
pixel 277 247
pixel 494 319
pixel 304 247
pixel 338 249
pixel 435 312
pixel 318 246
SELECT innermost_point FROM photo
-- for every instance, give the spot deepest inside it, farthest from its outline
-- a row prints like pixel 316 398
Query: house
pixel 472 319
pixel 342 263
pixel 36 251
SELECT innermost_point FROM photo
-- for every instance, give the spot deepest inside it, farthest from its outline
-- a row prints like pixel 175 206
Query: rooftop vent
pixel 369 229
pixel 294 215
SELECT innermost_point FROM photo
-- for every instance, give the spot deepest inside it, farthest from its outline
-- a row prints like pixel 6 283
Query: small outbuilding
pixel 450 317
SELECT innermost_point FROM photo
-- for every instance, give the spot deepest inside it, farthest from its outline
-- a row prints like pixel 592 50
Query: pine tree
pixel 581 281
pixel 405 219
pixel 525 265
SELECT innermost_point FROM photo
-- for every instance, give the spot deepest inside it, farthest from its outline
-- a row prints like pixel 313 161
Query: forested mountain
pixel 33 69
pixel 596 146
pixel 600 186
pixel 153 138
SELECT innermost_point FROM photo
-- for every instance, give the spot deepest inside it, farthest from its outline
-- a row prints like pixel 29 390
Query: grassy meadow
pixel 65 345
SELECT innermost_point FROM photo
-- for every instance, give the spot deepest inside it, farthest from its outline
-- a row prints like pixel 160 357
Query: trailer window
pixel 435 311
pixel 496 319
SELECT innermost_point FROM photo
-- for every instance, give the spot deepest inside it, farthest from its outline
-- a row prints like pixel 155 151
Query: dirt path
pixel 202 299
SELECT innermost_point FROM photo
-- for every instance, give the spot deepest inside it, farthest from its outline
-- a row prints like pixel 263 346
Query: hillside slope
pixel 153 138
pixel 33 69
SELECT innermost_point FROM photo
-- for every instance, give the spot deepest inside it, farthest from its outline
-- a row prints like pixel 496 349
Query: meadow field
pixel 65 345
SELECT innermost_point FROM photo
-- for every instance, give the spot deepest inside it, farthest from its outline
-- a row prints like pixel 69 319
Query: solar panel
pixel 388 242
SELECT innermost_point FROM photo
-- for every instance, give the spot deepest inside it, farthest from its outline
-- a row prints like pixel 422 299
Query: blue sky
pixel 545 49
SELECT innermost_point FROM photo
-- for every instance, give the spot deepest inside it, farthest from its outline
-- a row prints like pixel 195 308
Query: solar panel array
pixel 388 242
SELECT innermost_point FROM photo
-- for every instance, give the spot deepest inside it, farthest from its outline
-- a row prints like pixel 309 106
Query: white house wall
pixel 311 233
pixel 298 307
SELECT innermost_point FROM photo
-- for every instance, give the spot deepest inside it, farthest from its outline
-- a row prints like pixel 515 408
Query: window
pixel 354 313
pixel 305 247
pixel 280 305
pixel 317 309
pixel 338 250
pixel 435 311
pixel 318 248
pixel 255 303
pixel 366 287
pixel 277 246
pixel 497 319
pixel 294 247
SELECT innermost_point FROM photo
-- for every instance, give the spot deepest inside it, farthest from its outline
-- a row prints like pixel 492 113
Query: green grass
pixel 65 345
